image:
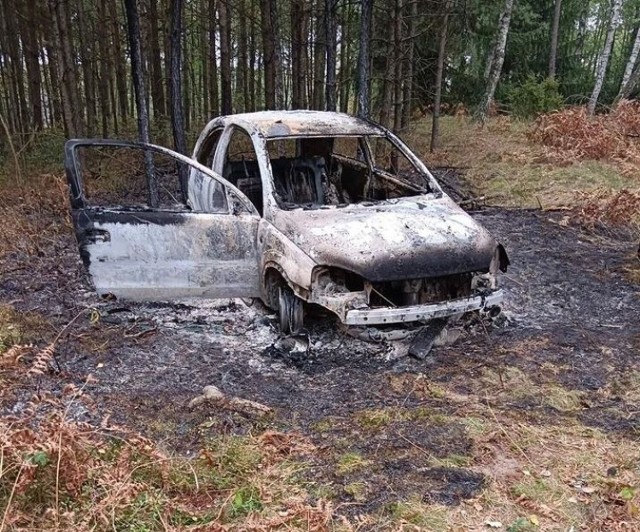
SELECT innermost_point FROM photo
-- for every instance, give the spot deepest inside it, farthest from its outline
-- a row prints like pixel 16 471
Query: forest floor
pixel 528 424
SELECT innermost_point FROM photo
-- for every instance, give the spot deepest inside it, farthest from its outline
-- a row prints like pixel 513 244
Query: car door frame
pixel 86 217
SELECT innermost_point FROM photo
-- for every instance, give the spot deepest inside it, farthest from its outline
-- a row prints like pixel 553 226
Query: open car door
pixel 198 241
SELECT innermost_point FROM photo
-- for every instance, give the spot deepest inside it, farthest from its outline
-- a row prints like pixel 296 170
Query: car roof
pixel 275 124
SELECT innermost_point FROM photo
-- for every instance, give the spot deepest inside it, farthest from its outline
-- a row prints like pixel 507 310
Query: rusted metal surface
pixel 369 255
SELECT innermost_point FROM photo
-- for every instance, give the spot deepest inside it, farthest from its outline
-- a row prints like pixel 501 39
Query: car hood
pixel 408 238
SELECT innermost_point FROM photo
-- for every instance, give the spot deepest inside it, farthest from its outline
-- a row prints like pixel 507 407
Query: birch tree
pixel 497 59
pixel 625 86
pixel 603 59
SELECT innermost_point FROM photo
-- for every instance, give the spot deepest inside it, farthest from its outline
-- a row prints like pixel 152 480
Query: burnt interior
pixel 321 171
pixel 420 291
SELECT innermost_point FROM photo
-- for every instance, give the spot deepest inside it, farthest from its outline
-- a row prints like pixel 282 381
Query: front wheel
pixel 290 311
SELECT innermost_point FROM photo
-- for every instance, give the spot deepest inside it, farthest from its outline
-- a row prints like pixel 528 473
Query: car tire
pixel 290 311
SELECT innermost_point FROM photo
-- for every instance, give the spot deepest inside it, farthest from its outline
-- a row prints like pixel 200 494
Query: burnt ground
pixel 387 427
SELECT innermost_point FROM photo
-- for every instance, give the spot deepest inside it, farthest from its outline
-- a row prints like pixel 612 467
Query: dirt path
pixel 387 425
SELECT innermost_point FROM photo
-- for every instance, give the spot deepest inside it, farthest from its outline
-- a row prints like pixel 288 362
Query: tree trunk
pixel 497 54
pixel 119 62
pixel 330 7
pixel 628 71
pixel 442 48
pixel 13 49
pixel 71 102
pixel 52 70
pixel 242 69
pixel 175 93
pixel 103 69
pixel 271 55
pixel 345 57
pixel 553 49
pixel 137 74
pixel 407 97
pixel 32 59
pixel 364 59
pixel 225 56
pixel 251 81
pixel 397 68
pixel 157 86
pixel 603 59
pixel 86 37
pixel 297 52
pixel 319 62
pixel 214 99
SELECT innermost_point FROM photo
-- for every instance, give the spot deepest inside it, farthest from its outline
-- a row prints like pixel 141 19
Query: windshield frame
pixel 431 188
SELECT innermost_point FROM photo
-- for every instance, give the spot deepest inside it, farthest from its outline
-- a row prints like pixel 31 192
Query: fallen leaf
pixel 494 524
pixel 588 489
pixel 534 519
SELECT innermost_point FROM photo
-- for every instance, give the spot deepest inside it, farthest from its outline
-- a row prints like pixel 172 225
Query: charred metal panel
pixel 158 256
pixel 411 238
pixel 273 124
pixel 280 253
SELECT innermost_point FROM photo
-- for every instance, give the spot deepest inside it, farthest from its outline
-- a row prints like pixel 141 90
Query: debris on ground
pixel 213 396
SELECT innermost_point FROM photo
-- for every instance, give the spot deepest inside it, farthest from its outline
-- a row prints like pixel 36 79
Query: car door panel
pixel 155 255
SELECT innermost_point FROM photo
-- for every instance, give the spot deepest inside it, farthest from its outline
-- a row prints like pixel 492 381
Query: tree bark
pixel 29 29
pixel 104 81
pixel 242 68
pixel 407 97
pixel 319 58
pixel 175 93
pixel 86 38
pixel 364 59
pixel 137 74
pixel 71 105
pixel 157 86
pixel 271 55
pixel 497 55
pixel 397 68
pixel 251 79
pixel 442 49
pixel 214 99
pixel 553 48
pixel 119 63
pixel 628 71
pixel 225 56
pixel 13 49
pixel 330 8
pixel 603 59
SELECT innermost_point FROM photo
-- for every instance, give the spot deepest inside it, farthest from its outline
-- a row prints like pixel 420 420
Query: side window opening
pixel 116 177
pixel 208 148
pixel 241 168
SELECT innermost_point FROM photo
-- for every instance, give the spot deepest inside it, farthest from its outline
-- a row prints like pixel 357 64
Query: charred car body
pixel 293 207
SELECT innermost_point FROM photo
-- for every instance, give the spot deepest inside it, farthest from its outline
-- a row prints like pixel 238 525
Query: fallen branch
pixel 213 395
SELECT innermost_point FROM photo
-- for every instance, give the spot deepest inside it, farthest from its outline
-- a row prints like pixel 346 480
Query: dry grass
pixel 508 165
pixel 57 473
pixel 32 214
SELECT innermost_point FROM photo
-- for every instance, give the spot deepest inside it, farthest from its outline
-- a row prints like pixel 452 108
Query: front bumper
pixel 378 316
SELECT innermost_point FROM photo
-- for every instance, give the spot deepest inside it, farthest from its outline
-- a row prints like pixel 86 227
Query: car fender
pixel 281 254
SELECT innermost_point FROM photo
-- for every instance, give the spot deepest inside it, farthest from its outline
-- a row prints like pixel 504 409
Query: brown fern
pixel 42 360
pixel 14 355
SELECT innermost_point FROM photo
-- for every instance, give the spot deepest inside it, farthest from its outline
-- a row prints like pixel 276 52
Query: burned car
pixel 294 208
